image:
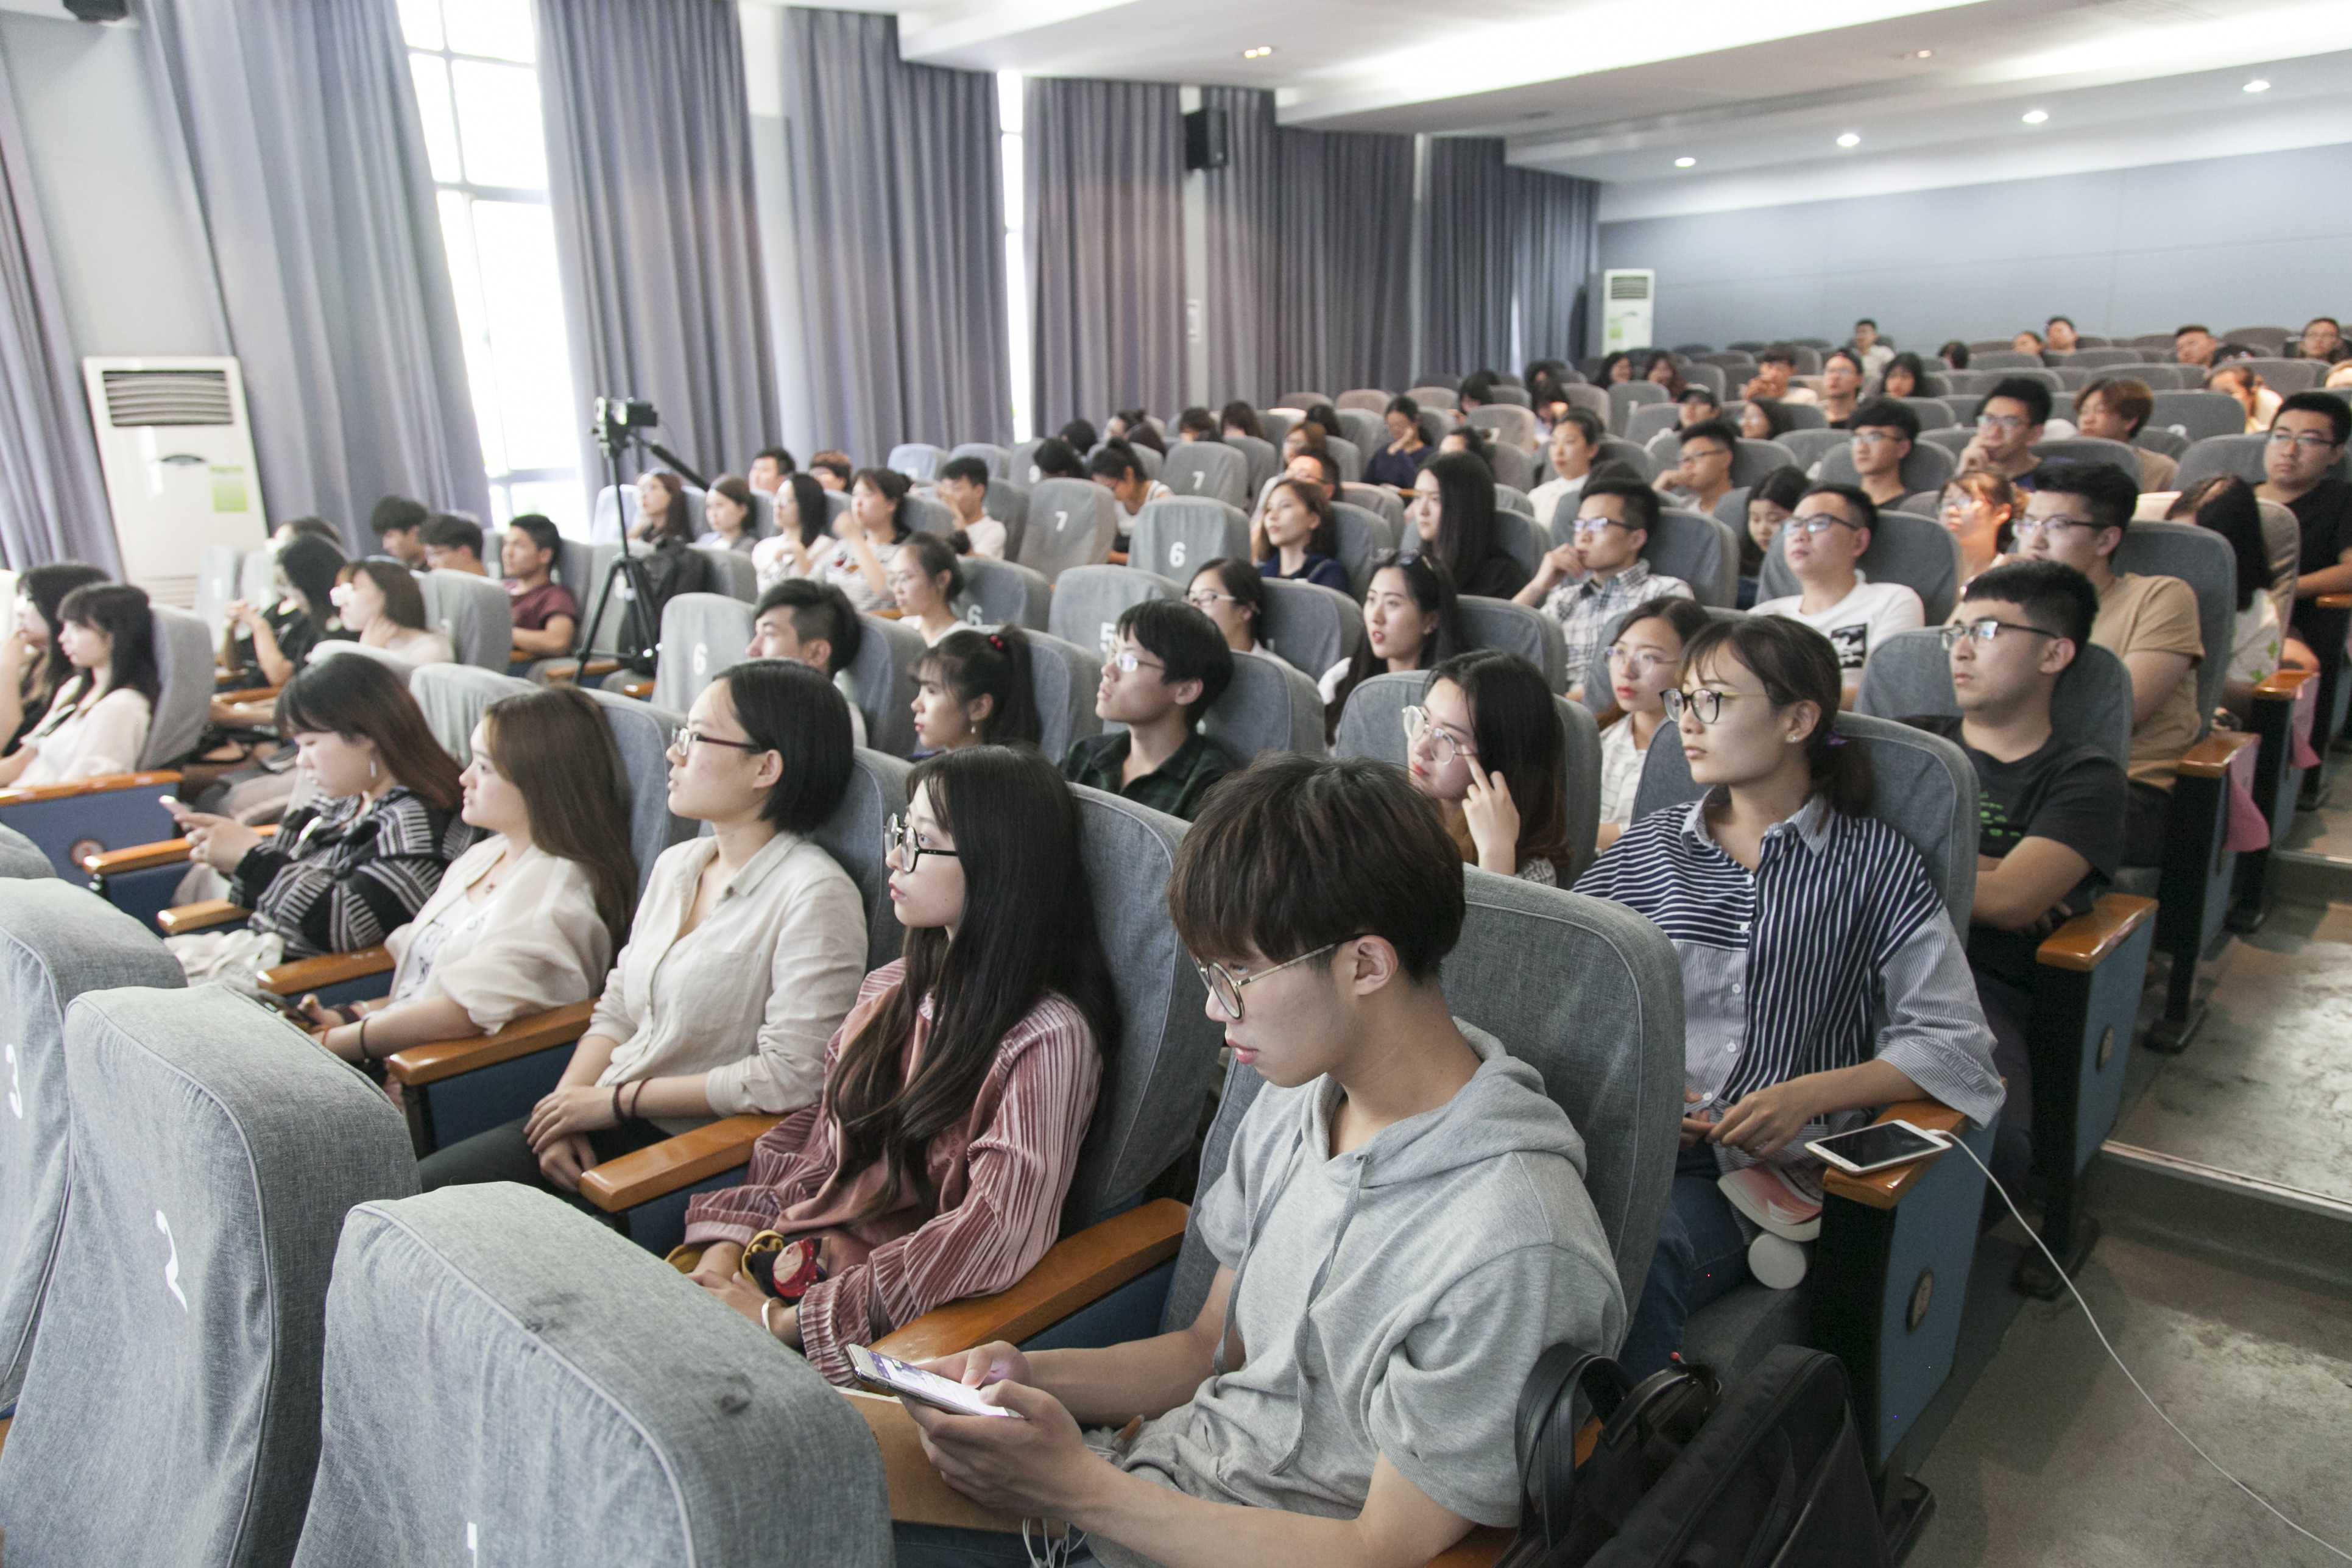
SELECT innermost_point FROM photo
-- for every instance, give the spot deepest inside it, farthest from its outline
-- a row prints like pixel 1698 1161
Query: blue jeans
pixel 1701 1256
pixel 946 1546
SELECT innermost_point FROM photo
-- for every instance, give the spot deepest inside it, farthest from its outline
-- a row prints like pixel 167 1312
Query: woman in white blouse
pixel 528 919
pixel 927 584
pixel 747 951
pixel 97 723
pixel 382 605
pixel 1642 663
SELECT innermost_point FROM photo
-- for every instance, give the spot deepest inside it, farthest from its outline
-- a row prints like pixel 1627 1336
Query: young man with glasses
pixel 1822 543
pixel 1400 1230
pixel 2009 423
pixel 2077 515
pixel 2322 339
pixel 1884 433
pixel 2050 808
pixel 1702 472
pixel 2118 408
pixel 1599 574
pixel 1168 668
pixel 2306 443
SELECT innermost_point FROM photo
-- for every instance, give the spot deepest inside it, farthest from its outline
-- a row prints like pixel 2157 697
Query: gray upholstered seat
pixel 1639 458
pixel 641 733
pixel 1917 552
pixel 883 675
pixel 56 942
pixel 918 460
pixel 1062 678
pixel 2202 559
pixel 1508 425
pixel 926 513
pixel 1363 533
pixel 502 1372
pixel 1371 724
pixel 1269 707
pixel 1811 446
pixel 1755 459
pixel 1312 626
pixel 1347 454
pixel 1910 676
pixel 1208 469
pixel 1088 601
pixel 998 460
pixel 452 696
pixel 701 635
pixel 731 571
pixel 1363 424
pixel 1430 394
pixel 1509 500
pixel 1699 548
pixel 21 857
pixel 476 614
pixel 1374 499
pixel 1652 419
pixel 2195 414
pixel 1627 395
pixel 1004 593
pixel 1072 523
pixel 2117 454
pixel 183 664
pixel 1516 629
pixel 1805 415
pixel 2239 455
pixel 215 1150
pixel 1926 466
pixel 1512 467
pixel 1933 413
pixel 1173 537
pixel 853 836
pixel 1261 459
pixel 1517 536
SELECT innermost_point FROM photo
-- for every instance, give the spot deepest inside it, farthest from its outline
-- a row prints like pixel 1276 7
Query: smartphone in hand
pixel 923 1388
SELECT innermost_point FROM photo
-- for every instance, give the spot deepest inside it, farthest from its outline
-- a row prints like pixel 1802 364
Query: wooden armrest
pixel 1119 557
pixel 327 968
pixel 2211 757
pixel 2282 684
pixel 2333 601
pixel 138 857
pixel 1074 1272
pixel 679 1161
pixel 1485 1543
pixel 637 687
pixel 105 784
pixel 517 658
pixel 196 917
pixel 416 1065
pixel 2083 943
pixel 596 668
pixel 1884 1189
pixel 251 694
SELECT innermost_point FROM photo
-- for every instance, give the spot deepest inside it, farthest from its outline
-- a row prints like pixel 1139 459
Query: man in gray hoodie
pixel 1401 1228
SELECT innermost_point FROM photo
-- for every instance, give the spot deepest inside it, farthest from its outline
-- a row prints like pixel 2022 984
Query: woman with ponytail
pixel 974 688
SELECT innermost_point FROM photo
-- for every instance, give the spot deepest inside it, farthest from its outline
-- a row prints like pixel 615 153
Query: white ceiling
pixel 1756 93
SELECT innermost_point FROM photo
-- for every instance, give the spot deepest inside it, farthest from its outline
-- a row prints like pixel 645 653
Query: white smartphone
pixel 925 1387
pixel 1878 1146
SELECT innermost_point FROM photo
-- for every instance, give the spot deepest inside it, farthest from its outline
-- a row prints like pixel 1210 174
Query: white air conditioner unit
pixel 177 447
pixel 1628 305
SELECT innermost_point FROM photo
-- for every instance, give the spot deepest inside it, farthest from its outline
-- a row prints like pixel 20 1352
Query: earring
pixel 370 770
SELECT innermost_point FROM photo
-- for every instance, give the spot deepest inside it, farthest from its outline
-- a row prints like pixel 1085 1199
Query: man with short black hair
pixel 1697 406
pixel 1865 345
pixel 2307 442
pixel 453 543
pixel 963 484
pixel 1841 385
pixel 1774 367
pixel 2322 339
pixel 2194 345
pixel 396 522
pixel 2009 422
pixel 546 612
pixel 1400 1230
pixel 1821 541
pixel 1166 670
pixel 770 466
pixel 2061 333
pixel 1600 573
pixel 812 623
pixel 1702 472
pixel 1476 391
pixel 1885 431
pixel 2076 514
pixel 2116 408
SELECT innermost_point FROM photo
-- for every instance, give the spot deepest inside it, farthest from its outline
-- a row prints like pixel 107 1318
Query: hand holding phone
pixel 1878 1146
pixel 923 1388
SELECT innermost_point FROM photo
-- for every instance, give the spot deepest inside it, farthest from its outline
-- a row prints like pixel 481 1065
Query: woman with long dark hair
pixel 33 663
pixel 803 518
pixel 2260 643
pixel 957 1092
pixel 1454 512
pixel 973 687
pixel 927 584
pixel 1412 621
pixel 662 511
pixel 1485 747
pixel 1231 593
pixel 383 608
pixel 1298 537
pixel 727 508
pixel 1238 419
pixel 98 722
pixel 1642 662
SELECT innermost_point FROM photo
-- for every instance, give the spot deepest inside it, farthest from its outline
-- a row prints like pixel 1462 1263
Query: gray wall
pixel 131 261
pixel 2246 241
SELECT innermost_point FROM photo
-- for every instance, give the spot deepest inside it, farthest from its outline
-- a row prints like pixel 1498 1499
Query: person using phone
pixel 1822 977
pixel 956 1090
pixel 1400 1175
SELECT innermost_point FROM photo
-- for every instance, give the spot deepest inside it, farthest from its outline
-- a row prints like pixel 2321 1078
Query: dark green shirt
pixel 1175 786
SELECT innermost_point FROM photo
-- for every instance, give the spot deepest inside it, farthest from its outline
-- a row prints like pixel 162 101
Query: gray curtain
pixel 1555 229
pixel 1466 276
pixel 1105 172
pixel 52 499
pixel 650 176
pixel 897 207
pixel 299 125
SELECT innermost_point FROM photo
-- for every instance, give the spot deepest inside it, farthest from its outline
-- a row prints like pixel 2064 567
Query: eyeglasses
pixel 2035 527
pixel 1817 523
pixel 899 834
pixel 1226 986
pixel 1585 525
pixel 1129 663
pixel 2310 441
pixel 1642 662
pixel 1203 599
pixel 2009 422
pixel 1444 748
pixel 1704 705
pixel 683 739
pixel 1985 630
pixel 1873 438
pixel 1701 453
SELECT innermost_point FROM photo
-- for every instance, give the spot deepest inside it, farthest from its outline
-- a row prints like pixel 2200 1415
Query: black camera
pixel 614 418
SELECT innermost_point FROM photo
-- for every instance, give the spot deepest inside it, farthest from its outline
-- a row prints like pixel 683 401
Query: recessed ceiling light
pixel 1851 139
pixel 2258 85
pixel 1921 55
pixel 2036 116
pixel 1258 53
pixel 1685 163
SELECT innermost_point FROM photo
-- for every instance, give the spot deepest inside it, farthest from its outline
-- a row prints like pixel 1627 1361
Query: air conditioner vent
pixel 136 397
pixel 1630 285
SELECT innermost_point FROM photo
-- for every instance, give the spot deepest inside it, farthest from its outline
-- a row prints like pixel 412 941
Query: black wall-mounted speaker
pixel 1204 139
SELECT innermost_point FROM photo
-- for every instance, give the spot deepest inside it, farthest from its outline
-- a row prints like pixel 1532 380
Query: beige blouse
pixel 532 944
pixel 75 743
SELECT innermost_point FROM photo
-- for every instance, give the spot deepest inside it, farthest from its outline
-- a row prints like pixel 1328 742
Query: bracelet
pixel 363 1050
pixel 617 1105
pixel 764 1306
pixel 636 1098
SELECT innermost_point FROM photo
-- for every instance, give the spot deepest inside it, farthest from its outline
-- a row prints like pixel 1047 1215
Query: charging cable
pixel 2110 1349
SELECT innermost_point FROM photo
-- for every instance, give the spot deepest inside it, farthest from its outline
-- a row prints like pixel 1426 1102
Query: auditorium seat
pixel 21 858
pixel 2285 376
pixel 1915 551
pixel 1702 373
pixel 1810 446
pixel 916 460
pixel 2197 414
pixel 1933 413
pixel 1369 399
pixel 1208 469
pixel 1616 449
pixel 1432 396
pixel 1271 706
pixel 1072 523
pixel 452 696
pixel 1755 459
pixel 882 679
pixel 2240 455
pixel 171 1406
pixel 701 636
pixel 1700 549
pixel 1347 454
pixel 1650 420
pixel 733 575
pixel 2117 454
pixel 998 460
pixel 2002 358
pixel 1926 468
pixel 1363 534
pixel 1002 592
pixel 1508 500
pixel 1174 536
pixel 1312 626
pixel 1089 600
pixel 2102 360
pixel 1376 499
pixel 1627 395
pixel 1509 394
pixel 1262 459
pixel 1510 627
pixel 1804 417
pixel 1508 425
pixel 1366 427
pixel 1064 679
pixel 1302 401
pixel 476 615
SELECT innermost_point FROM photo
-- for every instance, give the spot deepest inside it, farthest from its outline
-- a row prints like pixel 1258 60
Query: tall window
pixel 1009 114
pixel 478 90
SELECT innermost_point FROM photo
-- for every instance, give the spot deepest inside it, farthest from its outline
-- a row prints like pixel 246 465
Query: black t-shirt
pixel 2069 792
pixel 2323 512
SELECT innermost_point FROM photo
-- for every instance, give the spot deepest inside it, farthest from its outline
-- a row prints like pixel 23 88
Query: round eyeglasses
pixel 899 834
pixel 1444 748
pixel 1705 705
pixel 1226 986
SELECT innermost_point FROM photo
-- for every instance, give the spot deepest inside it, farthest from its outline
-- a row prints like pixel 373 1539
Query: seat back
pixel 884 675
pixel 1648 420
pixel 1511 425
pixel 1511 465
pixel 1590 995
pixel 1432 395
pixel 214 1152
pixel 2239 455
pixel 1269 707
pixel 1173 536
pixel 1348 455
pixel 1511 627
pixel 733 573
pixel 928 514
pixel 1369 400
pixel 21 858
pixel 1926 466
pixel 1063 678
pixel 998 460
pixel 452 696
pixel 1910 676
pixel 1755 459
pixel 183 662
pixel 1639 458
pixel 2083 449
pixel 1262 459
pixel 1004 593
pixel 917 460
pixel 853 836
pixel 2003 359
pixel 1372 725
pixel 1208 469
pixel 2197 414
pixel 217 569
pixel 56 942
pixel 1699 548
pixel 2202 559
pixel 1363 533
pixel 1624 396
pixel 701 635
pixel 1811 446
pixel 641 734
pixel 685 1440
pixel 1008 503
pixel 1071 523
pixel 1917 552
pixel 1802 417
pixel 1373 499
pixel 1922 785
pixel 1312 626
pixel 1933 413
pixel 476 614
pixel 2285 376
pixel 1088 601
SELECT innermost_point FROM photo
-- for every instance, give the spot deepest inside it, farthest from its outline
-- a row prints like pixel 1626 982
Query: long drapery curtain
pixel 52 500
pixel 1555 237
pixel 1466 276
pixel 1103 163
pixel 896 206
pixel 649 177
pixel 300 130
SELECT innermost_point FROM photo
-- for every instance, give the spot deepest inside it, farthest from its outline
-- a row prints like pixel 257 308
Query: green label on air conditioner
pixel 228 489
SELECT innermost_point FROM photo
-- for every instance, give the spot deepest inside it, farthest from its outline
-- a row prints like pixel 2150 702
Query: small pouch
pixel 785 1270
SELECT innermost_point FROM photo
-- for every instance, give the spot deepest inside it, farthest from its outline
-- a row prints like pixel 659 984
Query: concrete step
pixel 2250 1223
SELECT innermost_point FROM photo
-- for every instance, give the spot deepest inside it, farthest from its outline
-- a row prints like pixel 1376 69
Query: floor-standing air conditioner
pixel 178 451
pixel 1629 300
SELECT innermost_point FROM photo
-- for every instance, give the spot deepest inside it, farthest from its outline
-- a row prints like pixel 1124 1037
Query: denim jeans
pixel 1701 1256
pixel 947 1546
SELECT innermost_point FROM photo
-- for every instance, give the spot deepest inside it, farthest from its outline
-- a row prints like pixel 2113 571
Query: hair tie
pixel 1836 739
pixel 996 641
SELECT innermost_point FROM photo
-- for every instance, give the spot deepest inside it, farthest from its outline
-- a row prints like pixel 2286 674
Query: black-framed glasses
pixel 1985 630
pixel 1127 662
pixel 686 737
pixel 1590 525
pixel 2026 528
pixel 1205 599
pixel 1705 704
pixel 2009 422
pixel 2308 440
pixel 899 834
pixel 1817 523
pixel 1226 986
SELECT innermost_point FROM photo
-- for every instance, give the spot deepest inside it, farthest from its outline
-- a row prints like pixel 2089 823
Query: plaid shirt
pixel 1175 786
pixel 1585 607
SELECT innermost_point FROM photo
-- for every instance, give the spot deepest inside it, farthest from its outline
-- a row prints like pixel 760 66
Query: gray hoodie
pixel 1390 1300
